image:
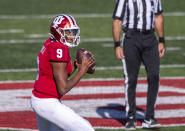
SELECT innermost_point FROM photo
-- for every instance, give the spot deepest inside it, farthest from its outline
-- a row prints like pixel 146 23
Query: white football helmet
pixel 65 30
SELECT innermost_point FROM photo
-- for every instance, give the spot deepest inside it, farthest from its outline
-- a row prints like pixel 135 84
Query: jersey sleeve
pixel 119 9
pixel 58 53
pixel 158 8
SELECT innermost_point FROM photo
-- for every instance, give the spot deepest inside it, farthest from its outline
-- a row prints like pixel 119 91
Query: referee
pixel 138 19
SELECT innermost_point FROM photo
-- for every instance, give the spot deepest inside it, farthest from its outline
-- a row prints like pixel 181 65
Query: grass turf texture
pixel 89 27
pixel 98 74
pixel 13 53
pixel 7 7
pixel 22 56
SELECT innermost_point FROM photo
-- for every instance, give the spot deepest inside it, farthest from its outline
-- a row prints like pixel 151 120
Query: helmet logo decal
pixel 57 21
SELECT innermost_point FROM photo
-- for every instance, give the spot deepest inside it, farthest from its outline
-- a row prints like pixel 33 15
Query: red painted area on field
pixel 16 85
pixel 113 95
pixel 18 119
pixel 109 122
pixel 27 119
pixel 180 83
pixel 116 95
pixel 29 85
pixel 143 107
pixel 165 82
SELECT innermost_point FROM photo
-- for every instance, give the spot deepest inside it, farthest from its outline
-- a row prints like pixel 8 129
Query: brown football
pixel 88 54
pixel 79 55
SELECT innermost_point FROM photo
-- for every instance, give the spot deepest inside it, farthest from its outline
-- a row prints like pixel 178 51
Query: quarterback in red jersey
pixel 54 67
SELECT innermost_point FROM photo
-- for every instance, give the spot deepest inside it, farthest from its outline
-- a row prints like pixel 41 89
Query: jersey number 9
pixel 59 53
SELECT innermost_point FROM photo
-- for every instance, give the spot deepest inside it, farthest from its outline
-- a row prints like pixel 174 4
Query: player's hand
pixel 161 49
pixel 86 63
pixel 119 53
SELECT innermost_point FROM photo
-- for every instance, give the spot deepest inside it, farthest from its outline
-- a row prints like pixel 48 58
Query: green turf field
pixel 19 50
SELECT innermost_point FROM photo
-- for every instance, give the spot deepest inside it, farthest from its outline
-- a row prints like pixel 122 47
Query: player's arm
pixel 74 67
pixel 116 30
pixel 61 77
pixel 159 26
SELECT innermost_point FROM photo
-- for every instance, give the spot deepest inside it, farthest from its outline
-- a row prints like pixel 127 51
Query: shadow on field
pixel 117 112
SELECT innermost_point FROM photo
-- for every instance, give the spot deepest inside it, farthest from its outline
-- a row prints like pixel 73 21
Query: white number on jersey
pixel 37 68
pixel 59 53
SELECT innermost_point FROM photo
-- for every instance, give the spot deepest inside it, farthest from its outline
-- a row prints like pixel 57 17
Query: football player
pixel 54 67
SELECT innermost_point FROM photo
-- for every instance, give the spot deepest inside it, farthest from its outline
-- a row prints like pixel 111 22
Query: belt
pixel 140 31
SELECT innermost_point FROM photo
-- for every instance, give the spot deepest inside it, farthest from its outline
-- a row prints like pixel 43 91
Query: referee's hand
pixel 161 49
pixel 119 53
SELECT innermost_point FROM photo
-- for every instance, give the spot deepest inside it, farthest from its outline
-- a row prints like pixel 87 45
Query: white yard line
pixel 13 41
pixel 174 13
pixel 33 41
pixel 142 67
pixel 97 68
pixel 173 48
pixel 91 15
pixel 93 79
pixel 175 38
pixel 98 39
pixel 11 31
pixel 18 70
pixel 167 48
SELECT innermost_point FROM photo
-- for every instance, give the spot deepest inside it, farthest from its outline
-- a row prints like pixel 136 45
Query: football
pixel 88 54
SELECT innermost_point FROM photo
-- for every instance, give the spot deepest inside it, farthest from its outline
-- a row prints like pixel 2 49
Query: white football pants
pixel 52 115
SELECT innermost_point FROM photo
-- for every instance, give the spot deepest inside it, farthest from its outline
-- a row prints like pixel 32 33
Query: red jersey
pixel 51 51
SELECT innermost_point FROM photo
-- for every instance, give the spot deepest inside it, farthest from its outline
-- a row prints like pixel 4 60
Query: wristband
pixel 116 44
pixel 161 40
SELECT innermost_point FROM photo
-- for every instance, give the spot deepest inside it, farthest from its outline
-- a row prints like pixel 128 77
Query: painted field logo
pixel 99 101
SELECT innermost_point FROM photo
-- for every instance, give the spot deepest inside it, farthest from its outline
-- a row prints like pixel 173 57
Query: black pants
pixel 140 47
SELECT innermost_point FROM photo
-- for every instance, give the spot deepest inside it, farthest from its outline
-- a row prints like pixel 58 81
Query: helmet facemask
pixel 69 37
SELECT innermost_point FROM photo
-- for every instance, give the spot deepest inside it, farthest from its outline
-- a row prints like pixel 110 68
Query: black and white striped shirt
pixel 137 14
